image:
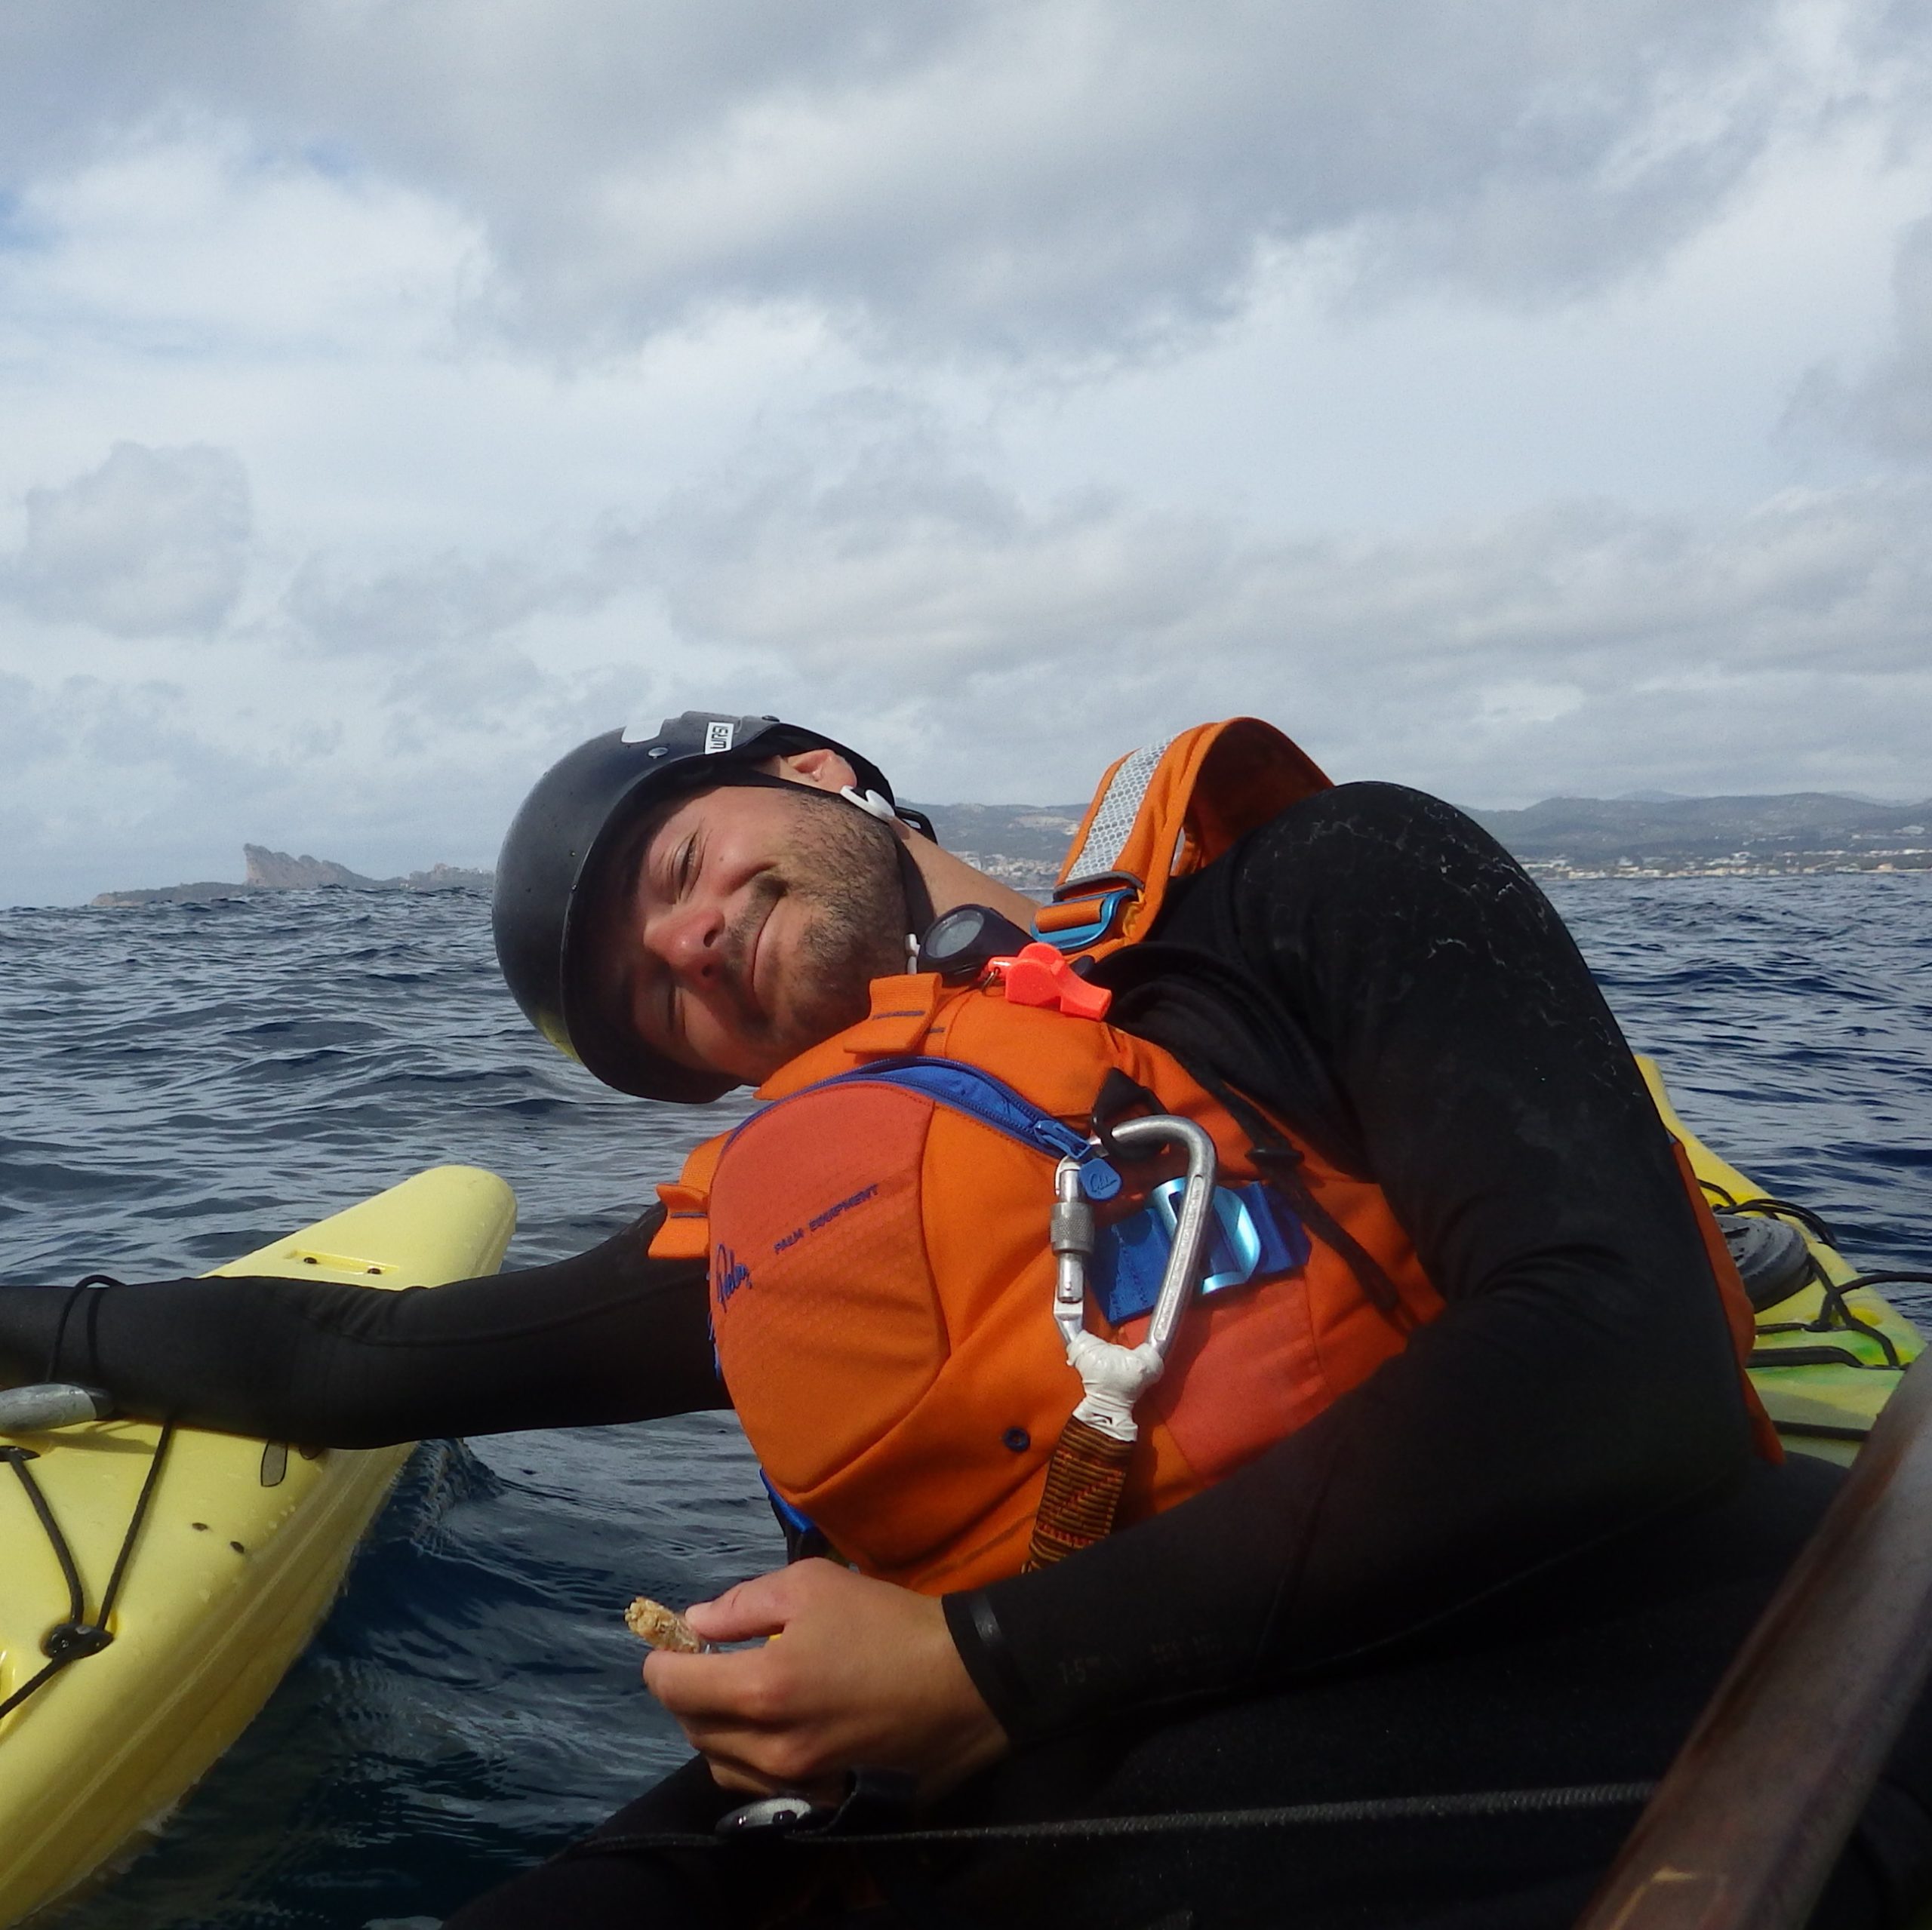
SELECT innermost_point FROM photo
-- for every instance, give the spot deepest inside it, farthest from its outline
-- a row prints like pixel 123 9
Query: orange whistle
pixel 1041 976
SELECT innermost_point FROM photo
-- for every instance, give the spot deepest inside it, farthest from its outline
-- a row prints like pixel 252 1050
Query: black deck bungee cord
pixel 1301 1815
pixel 1813 1357
pixel 76 1638
pixel 16 1458
pixel 1767 1207
pixel 59 1339
pixel 1834 1315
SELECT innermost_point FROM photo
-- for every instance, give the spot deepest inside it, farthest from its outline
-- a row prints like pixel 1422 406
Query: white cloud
pixel 1518 701
pixel 1009 175
pixel 1889 406
pixel 1487 660
pixel 182 232
pixel 153 542
pixel 436 605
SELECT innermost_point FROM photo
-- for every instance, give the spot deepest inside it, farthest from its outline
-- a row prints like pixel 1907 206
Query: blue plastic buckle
pixel 1110 902
pixel 1233 1248
pixel 1255 1236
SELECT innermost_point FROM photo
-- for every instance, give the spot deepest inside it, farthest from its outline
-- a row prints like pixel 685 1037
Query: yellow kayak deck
pixel 239 1554
pixel 1822 1408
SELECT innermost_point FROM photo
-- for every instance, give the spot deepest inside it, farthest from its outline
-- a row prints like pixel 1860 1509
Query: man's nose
pixel 689 938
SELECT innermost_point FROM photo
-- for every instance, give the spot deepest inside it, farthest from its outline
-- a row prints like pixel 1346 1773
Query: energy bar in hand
pixel 662 1628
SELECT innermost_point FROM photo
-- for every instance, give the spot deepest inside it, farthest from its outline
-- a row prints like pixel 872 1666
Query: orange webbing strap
pixel 1739 1315
pixel 686 1232
pixel 1085 1480
pixel 1163 811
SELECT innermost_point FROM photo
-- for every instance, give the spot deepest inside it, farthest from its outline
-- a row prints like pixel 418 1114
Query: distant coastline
pixel 267 871
pixel 1793 834
pixel 1797 833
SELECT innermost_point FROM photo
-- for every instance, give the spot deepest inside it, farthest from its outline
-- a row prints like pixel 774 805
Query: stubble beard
pixel 841 869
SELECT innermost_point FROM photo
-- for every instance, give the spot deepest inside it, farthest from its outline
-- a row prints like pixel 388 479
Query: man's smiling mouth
pixel 751 998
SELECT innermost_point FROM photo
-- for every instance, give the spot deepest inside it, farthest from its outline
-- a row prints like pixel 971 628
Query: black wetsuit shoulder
pixel 1379 973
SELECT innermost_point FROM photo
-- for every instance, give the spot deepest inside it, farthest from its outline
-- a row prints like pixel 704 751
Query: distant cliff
pixel 276 870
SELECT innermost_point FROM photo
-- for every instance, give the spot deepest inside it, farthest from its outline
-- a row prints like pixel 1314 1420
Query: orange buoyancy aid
pixel 1162 812
pixel 881 1284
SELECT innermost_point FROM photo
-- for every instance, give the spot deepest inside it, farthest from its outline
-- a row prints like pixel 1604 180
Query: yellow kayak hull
pixel 1822 1409
pixel 239 1556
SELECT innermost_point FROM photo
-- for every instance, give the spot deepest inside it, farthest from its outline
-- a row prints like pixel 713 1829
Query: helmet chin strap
pixel 912 885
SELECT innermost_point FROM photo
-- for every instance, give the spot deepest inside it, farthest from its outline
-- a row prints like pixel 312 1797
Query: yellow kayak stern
pixel 239 1554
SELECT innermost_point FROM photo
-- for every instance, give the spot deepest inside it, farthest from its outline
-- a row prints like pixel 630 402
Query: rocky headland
pixel 276 870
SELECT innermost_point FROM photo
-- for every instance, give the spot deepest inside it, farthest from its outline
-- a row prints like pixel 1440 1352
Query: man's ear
pixel 823 770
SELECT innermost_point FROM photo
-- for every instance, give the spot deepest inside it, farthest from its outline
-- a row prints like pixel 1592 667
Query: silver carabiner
pixel 1071 1238
pixel 1193 1222
pixel 1113 1376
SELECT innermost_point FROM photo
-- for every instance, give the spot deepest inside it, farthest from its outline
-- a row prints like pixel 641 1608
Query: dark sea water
pixel 182 1083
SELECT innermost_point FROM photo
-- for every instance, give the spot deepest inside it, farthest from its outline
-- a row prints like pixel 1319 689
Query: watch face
pixel 968 938
pixel 952 934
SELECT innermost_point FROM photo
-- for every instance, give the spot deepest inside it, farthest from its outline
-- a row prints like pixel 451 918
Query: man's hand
pixel 867 1673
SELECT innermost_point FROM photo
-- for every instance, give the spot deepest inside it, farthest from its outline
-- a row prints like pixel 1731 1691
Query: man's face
pixel 758 919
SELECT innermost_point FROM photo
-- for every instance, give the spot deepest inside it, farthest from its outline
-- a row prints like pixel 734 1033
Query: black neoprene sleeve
pixel 611 1335
pixel 1379 972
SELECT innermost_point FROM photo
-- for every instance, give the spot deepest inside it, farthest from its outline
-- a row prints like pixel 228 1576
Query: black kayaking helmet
pixel 555 868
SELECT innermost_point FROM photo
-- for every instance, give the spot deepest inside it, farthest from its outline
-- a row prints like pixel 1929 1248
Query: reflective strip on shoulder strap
pixel 1113 823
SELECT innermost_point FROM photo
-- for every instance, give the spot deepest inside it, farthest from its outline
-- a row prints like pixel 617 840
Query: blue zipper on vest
pixel 979 1096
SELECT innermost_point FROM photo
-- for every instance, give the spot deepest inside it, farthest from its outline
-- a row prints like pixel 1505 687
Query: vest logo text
pixel 731 1273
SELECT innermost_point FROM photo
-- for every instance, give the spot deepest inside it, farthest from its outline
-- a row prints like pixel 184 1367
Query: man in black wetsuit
pixel 1519 1555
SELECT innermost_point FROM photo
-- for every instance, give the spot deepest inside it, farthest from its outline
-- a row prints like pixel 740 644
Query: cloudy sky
pixel 1509 398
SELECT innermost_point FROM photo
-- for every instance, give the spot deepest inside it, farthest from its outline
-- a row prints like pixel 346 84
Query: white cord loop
pixel 1114 1378
pixel 870 802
